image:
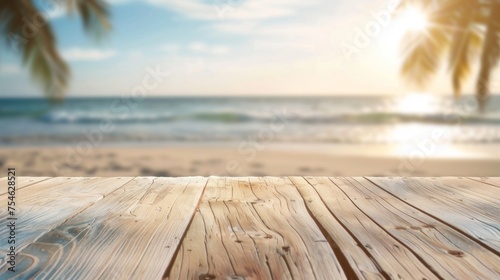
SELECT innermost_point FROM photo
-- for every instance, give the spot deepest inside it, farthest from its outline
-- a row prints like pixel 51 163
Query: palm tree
pixel 466 30
pixel 25 28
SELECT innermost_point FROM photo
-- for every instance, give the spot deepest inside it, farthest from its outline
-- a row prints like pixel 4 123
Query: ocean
pixel 335 119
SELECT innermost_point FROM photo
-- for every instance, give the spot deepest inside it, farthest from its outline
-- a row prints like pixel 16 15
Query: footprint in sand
pixel 150 172
pixel 117 167
pixel 91 171
pixel 193 170
pixel 257 165
pixel 304 169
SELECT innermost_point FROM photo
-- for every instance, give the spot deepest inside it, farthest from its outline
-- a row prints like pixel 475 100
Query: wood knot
pixel 429 226
pixel 400 228
pixel 238 241
pixel 256 201
pixel 286 248
pixel 456 253
pixel 206 276
pixel 368 246
pixel 268 236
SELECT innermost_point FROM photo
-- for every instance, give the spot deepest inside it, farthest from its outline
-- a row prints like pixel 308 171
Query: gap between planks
pixel 438 200
pixel 130 227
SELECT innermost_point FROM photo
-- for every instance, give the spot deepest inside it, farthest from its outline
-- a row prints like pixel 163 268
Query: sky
pixel 231 47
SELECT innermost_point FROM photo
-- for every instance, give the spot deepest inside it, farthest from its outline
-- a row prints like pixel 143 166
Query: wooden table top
pixel 253 228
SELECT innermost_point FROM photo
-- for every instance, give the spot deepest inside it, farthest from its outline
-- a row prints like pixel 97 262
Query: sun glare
pixel 416 103
pixel 415 19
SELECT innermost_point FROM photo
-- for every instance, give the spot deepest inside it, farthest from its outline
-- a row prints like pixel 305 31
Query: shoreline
pixel 273 159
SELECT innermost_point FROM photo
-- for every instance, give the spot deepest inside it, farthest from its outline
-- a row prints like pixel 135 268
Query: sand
pixel 229 160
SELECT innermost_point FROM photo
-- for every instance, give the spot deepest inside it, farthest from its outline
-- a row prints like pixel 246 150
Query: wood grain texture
pixel 22 182
pixel 446 251
pixel 173 212
pixel 492 181
pixel 393 257
pixel 221 223
pixel 254 228
pixel 48 203
pixel 434 198
pixel 477 196
pixel 110 239
pixel 361 262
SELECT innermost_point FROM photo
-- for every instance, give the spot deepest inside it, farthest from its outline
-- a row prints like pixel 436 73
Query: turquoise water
pixel 339 119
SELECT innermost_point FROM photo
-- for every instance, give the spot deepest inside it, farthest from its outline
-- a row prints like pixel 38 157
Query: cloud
pixel 56 12
pixel 9 69
pixel 234 9
pixel 219 50
pixel 76 54
pixel 59 9
pixel 200 47
pixel 171 48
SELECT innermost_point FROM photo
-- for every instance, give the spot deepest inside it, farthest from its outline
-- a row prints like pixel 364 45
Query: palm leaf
pixel 490 54
pixel 465 43
pixel 37 46
pixel 422 55
pixel 466 27
pixel 38 49
pixel 94 14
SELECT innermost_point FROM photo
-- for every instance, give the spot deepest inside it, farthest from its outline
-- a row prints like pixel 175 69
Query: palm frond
pixel 463 38
pixel 94 13
pixel 422 55
pixel 36 43
pixel 467 27
pixel 37 46
pixel 490 54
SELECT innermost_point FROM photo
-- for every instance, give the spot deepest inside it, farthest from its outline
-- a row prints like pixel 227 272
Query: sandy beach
pixel 228 160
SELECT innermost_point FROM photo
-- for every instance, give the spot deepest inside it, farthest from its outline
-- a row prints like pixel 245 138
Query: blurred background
pixel 235 87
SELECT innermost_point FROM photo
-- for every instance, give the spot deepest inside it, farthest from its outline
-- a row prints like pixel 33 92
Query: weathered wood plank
pixel 110 239
pixel 430 196
pixel 448 252
pixel 492 181
pixel 48 203
pixel 22 182
pixel 361 262
pixel 394 258
pixel 477 196
pixel 288 215
pixel 256 230
pixel 181 204
pixel 209 250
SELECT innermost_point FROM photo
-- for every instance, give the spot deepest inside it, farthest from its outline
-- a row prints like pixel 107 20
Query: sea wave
pixel 61 117
pixel 89 118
